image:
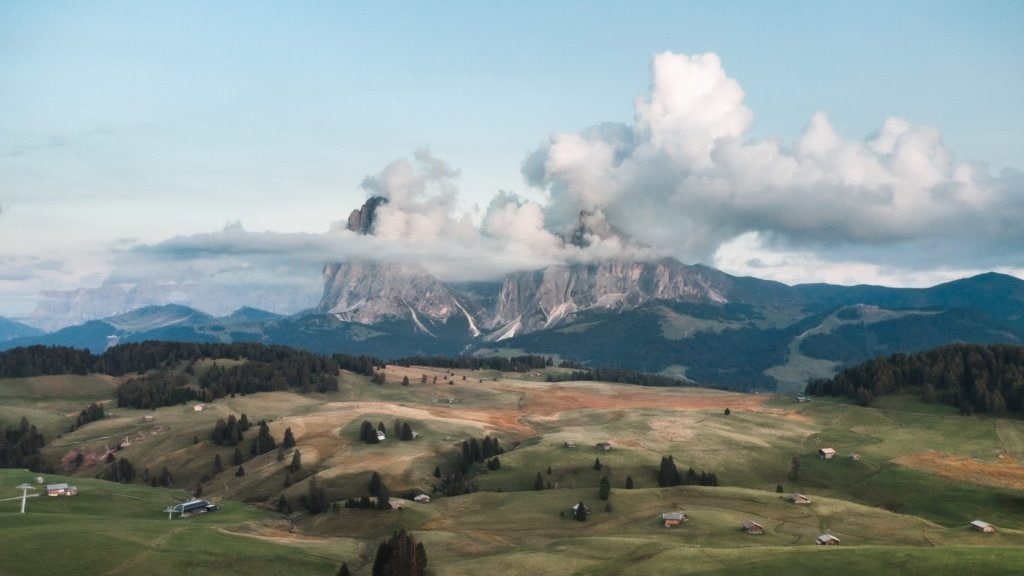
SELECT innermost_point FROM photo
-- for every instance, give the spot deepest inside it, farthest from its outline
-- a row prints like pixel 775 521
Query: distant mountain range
pixel 662 316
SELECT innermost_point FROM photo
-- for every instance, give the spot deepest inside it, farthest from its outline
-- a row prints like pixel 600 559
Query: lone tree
pixel 375 484
pixel 597 464
pixel 240 471
pixel 405 380
pixel 289 439
pixel 727 411
pixel 296 463
pixel 605 490
pixel 437 471
pixel 406 432
pixel 629 482
pixel 579 511
pixel 237 457
pixel 794 469
pixel 538 482
pixel 343 570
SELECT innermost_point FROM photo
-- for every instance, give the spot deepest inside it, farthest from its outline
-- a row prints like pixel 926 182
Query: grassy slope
pixel 512 529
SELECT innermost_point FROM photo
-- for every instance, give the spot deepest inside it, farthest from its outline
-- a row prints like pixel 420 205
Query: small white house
pixel 827 453
pixel 199 407
pixel 381 436
pixel 422 499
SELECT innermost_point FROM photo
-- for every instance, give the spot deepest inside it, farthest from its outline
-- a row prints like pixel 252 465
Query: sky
pixel 226 143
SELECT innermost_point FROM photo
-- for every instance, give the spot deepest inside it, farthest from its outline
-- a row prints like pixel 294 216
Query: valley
pixel 921 473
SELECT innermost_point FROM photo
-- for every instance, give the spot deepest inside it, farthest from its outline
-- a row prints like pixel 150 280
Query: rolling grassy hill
pixel 922 473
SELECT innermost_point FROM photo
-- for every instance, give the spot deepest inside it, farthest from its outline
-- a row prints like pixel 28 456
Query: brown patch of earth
pixel 1004 472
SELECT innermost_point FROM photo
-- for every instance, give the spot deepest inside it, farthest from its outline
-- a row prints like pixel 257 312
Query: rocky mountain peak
pixel 361 219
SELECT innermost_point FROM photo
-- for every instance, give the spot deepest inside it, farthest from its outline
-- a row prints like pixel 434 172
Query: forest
pixel 970 377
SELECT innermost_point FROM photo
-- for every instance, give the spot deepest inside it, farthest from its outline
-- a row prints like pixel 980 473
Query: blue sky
pixel 126 124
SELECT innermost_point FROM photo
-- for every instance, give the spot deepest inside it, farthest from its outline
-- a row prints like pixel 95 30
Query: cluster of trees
pixel 229 432
pixel 161 388
pixel 315 500
pixel 368 434
pixel 514 364
pixel 302 370
pixel 29 361
pixel 20 446
pixel 401 555
pixel 669 475
pixel 263 442
pixel 403 431
pixel 118 470
pixel 90 413
pixel 618 375
pixel 973 378
pixel 473 452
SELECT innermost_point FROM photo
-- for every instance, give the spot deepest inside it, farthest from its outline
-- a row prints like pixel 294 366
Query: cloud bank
pixel 682 180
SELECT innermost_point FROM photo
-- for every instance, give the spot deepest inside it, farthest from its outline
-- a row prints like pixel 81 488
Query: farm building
pixel 570 444
pixel 827 453
pixel 751 527
pixel 604 446
pixel 674 518
pixel 982 526
pixel 191 507
pixel 826 540
pixel 199 407
pixel 422 499
pixel 799 499
pixel 381 436
pixel 802 398
pixel 61 489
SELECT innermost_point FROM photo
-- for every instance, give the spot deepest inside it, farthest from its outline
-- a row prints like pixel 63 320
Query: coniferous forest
pixel 973 378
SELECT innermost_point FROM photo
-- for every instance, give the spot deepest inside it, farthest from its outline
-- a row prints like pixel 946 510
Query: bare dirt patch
pixel 1005 472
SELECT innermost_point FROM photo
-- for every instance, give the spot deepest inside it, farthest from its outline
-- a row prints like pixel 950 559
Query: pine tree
pixel 538 482
pixel 296 463
pixel 580 512
pixel 375 484
pixel 263 442
pixel 629 482
pixel 406 432
pixel 289 440
pixel 240 471
pixel 794 469
pixel 237 457
pixel 437 471
pixel 605 489
pixel 343 570
pixel 597 464
pixel 165 478
pixel 217 466
pixel 405 380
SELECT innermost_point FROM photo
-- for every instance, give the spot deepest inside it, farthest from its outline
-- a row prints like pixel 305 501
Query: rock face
pixel 538 300
pixel 367 292
pixel 361 219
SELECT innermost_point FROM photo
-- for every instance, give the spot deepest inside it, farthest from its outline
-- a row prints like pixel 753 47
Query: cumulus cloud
pixel 684 177
pixel 684 180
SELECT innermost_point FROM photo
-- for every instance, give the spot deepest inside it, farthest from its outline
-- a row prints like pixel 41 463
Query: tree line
pixel 970 377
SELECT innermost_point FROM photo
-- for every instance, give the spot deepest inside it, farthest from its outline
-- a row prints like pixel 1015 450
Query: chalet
pixel 191 507
pixel 569 444
pixel 199 407
pixel 61 489
pixel 751 527
pixel 827 453
pixel 826 540
pixel 799 499
pixel 422 499
pixel 673 518
pixel 381 436
pixel 604 446
pixel 982 526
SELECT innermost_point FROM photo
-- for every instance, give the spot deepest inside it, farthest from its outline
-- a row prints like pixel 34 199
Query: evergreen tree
pixel 538 482
pixel 296 463
pixel 240 471
pixel 243 422
pixel 217 466
pixel 580 512
pixel 375 484
pixel 400 556
pixel 405 380
pixel 778 489
pixel 237 457
pixel 383 498
pixel 605 489
pixel 289 440
pixel 165 478
pixel 794 469
pixel 343 570
pixel 406 432
pixel 367 433
pixel 629 482
pixel 437 471
pixel 597 464
pixel 727 411
pixel 283 506
pixel 263 442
